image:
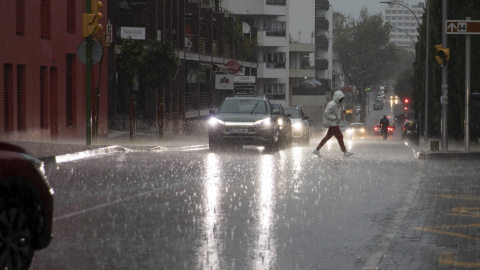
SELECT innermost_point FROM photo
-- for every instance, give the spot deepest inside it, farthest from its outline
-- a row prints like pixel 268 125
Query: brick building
pixel 43 91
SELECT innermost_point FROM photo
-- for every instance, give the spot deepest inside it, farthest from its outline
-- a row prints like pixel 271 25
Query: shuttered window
pixel 70 91
pixel 44 93
pixel 45 19
pixel 7 97
pixel 20 16
pixel 71 16
pixel 21 109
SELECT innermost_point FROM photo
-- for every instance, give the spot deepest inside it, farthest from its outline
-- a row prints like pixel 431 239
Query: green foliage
pixel 156 62
pixel 363 48
pixel 159 63
pixel 130 57
pixel 456 67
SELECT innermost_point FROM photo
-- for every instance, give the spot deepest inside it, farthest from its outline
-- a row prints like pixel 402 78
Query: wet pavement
pixel 435 223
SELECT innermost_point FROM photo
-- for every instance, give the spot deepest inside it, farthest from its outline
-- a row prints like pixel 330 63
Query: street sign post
pixel 462 27
pixel 467 28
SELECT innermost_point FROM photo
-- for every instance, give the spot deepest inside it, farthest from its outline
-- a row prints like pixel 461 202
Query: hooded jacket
pixel 333 110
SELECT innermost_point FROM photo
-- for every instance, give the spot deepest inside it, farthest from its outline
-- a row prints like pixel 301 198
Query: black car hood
pixel 240 117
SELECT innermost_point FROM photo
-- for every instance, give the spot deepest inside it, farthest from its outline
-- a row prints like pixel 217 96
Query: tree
pixel 456 67
pixel 159 63
pixel 363 48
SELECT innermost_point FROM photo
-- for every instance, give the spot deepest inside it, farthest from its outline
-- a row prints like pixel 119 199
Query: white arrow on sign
pixel 452 27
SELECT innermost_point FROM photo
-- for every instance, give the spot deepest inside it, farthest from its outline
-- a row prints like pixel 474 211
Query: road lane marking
pixel 448 258
pixel 440 230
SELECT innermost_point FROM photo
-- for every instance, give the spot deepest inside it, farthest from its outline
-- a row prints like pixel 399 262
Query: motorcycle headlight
pixel 267 122
pixel 213 122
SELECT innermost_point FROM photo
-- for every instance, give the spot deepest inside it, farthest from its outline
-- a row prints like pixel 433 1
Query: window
pixel 43 97
pixel 70 90
pixel 20 16
pixel 274 91
pixel 7 97
pixel 45 18
pixel 274 60
pixel 275 28
pixel 21 110
pixel 70 16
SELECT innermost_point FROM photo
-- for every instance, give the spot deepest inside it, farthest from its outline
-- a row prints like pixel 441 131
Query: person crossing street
pixel 331 118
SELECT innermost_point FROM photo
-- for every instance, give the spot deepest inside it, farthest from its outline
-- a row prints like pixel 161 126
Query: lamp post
pixel 404 32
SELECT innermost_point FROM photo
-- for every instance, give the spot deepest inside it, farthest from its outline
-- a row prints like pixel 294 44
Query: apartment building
pixel 404 20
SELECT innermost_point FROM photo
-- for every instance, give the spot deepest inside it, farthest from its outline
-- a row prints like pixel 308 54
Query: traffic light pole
pixel 468 41
pixel 88 90
pixel 444 99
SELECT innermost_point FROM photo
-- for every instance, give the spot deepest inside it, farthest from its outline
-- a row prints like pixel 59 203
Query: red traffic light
pixel 406 108
pixel 406 101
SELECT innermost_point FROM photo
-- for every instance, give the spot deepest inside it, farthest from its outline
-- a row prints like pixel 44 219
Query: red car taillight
pixel 390 129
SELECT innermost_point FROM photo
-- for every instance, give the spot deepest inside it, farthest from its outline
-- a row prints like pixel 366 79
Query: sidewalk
pixel 456 150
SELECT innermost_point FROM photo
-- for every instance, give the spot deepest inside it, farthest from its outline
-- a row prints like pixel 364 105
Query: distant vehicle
pixel 380 99
pixel 26 207
pixel 300 125
pixel 378 106
pixel 244 121
pixel 285 124
pixel 357 109
pixel 356 129
pixel 378 129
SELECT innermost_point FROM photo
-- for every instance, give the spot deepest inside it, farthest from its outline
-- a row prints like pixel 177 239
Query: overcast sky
pixel 353 7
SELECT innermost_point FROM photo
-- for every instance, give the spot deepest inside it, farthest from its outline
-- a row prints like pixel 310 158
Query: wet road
pixel 188 208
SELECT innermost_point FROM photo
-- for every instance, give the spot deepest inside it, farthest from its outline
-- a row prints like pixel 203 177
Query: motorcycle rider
pixel 384 123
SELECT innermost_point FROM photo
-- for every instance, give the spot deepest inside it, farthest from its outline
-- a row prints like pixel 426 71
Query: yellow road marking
pixel 448 258
pixel 437 229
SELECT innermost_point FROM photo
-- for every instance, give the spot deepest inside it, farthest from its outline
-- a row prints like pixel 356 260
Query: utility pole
pixel 444 98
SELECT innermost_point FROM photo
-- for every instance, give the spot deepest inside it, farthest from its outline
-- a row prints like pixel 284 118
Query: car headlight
pixel 213 122
pixel 349 130
pixel 280 121
pixel 297 126
pixel 362 130
pixel 267 122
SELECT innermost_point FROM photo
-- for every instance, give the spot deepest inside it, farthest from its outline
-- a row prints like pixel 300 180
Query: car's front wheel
pixel 16 236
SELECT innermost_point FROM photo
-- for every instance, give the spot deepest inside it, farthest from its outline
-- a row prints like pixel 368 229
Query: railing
pixel 276 2
pixel 275 64
pixel 275 33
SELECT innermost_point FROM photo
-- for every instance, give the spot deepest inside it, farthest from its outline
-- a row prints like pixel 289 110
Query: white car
pixel 300 125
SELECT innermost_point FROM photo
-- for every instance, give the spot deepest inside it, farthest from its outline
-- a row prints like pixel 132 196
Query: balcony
pixel 321 23
pixel 308 91
pixel 321 64
pixel 277 2
pixel 271 41
pixel 323 4
pixel 267 70
pixel 321 42
pixel 301 72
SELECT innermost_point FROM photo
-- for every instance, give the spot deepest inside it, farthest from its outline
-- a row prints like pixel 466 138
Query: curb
pixel 443 155
pixel 83 154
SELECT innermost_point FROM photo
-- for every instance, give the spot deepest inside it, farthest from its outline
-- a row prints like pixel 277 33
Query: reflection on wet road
pixel 235 209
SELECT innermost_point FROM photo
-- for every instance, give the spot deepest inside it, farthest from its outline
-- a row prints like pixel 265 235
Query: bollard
pixel 434 146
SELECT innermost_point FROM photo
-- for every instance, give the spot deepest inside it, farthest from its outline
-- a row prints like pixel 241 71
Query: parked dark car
pixel 244 121
pixel 300 125
pixel 26 207
pixel 285 124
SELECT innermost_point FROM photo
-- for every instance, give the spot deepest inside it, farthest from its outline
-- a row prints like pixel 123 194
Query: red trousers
pixel 333 131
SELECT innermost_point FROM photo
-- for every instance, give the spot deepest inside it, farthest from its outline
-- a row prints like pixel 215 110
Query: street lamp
pixel 404 32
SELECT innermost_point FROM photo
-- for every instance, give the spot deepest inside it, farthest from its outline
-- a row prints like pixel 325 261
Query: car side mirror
pixel 276 111
pixel 211 111
pixel 288 115
pixel 305 118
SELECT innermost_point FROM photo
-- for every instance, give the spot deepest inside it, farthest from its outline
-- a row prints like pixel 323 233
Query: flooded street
pixel 189 208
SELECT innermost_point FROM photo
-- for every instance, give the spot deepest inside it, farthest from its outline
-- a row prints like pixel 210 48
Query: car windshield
pixel 354 125
pixel 293 112
pixel 251 106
